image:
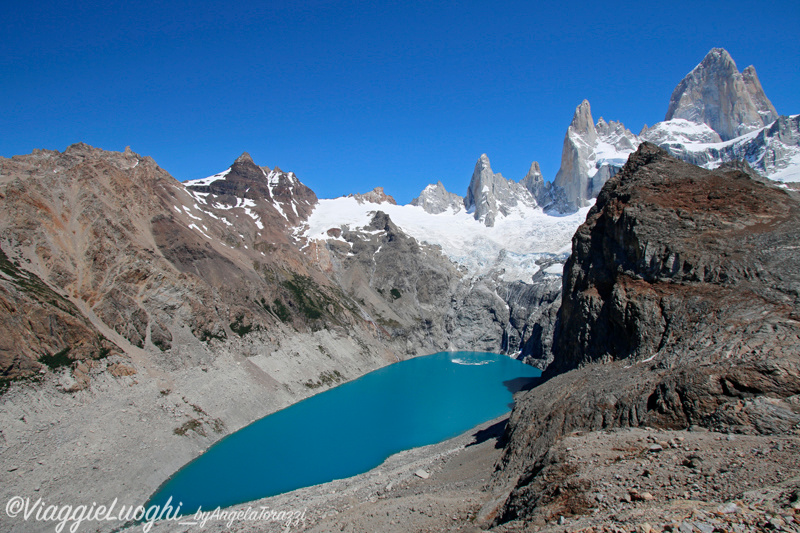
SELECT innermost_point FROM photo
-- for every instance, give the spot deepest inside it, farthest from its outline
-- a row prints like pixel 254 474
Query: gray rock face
pixel 436 199
pixel 591 155
pixel 717 94
pixel 490 194
pixel 534 181
pixel 680 307
pixel 546 195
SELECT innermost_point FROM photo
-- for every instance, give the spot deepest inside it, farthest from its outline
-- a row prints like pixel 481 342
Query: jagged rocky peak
pixel 582 122
pixel 717 94
pixel 375 196
pixel 490 194
pixel 591 154
pixel 480 193
pixel 533 179
pixel 545 194
pixel 436 199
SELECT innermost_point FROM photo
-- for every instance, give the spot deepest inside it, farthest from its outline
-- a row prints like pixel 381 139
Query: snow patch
pixel 194 227
pixel 204 182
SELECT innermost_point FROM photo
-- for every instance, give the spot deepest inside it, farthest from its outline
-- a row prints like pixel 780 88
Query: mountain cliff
pixel 715 93
pixel 591 155
pixel 680 307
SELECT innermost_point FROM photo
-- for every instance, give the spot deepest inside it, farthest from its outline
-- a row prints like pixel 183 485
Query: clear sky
pixel 353 95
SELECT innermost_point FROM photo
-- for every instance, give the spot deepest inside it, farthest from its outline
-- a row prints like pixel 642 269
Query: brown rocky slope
pixel 681 307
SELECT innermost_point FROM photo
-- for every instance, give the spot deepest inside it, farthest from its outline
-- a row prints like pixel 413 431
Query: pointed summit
pixel 244 158
pixel 717 94
pixel 483 164
pixel 534 172
pixel 480 195
pixel 591 154
pixel 491 195
pixel 581 136
pixel 535 184
pixel 582 122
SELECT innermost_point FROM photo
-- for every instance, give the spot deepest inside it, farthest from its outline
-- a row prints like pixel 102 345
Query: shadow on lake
pixel 521 384
pixel 495 431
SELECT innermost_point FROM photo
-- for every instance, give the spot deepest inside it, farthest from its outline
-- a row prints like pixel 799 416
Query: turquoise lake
pixel 350 429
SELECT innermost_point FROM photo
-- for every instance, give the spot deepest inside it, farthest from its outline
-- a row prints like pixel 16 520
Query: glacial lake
pixel 350 429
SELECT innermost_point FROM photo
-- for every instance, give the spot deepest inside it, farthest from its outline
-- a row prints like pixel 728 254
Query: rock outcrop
pixel 680 307
pixel 717 94
pixel 375 196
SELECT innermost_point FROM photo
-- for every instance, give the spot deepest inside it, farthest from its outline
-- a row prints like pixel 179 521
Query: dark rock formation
pixel 681 306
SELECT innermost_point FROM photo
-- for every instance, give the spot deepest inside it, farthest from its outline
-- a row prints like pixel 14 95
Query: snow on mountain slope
pixel 614 144
pixel 680 131
pixel 510 248
pixel 774 150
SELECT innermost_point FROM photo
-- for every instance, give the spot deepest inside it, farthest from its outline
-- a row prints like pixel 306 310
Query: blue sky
pixel 353 95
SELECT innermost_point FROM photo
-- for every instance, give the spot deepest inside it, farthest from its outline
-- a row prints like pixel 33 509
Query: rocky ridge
pixel 679 308
pixel 774 151
pixel 375 196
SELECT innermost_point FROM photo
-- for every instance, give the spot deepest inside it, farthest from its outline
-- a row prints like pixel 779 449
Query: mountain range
pixel 202 306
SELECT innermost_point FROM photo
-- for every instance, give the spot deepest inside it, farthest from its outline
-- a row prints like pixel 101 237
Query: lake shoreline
pixel 460 466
